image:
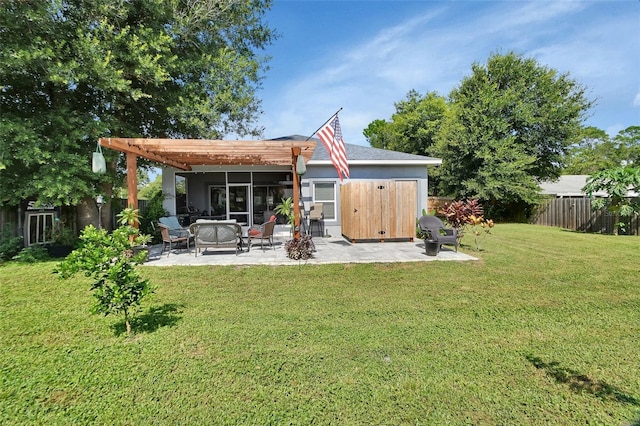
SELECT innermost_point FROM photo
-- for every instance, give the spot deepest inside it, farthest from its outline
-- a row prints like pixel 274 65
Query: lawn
pixel 544 329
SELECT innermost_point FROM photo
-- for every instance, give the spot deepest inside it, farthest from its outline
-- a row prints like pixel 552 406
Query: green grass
pixel 544 329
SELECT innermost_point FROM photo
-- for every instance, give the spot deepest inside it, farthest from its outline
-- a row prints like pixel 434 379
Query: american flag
pixel 331 136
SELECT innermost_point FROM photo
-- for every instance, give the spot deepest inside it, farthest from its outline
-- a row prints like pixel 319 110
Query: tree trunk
pixel 87 213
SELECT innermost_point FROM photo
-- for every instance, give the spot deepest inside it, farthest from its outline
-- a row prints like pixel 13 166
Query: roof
pixel 185 153
pixel 364 155
pixel 571 186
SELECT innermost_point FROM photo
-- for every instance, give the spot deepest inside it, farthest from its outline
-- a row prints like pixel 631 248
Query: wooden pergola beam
pixel 123 145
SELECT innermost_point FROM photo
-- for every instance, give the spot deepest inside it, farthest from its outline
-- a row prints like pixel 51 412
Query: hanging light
pixel 301 168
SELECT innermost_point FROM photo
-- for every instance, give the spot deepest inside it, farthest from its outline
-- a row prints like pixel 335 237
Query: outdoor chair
pixel 262 232
pixel 435 232
pixel 175 229
pixel 316 216
pixel 170 240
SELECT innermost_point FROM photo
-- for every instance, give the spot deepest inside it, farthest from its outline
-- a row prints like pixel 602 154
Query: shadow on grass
pixel 150 321
pixel 580 383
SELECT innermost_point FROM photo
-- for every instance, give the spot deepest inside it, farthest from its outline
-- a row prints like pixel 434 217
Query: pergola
pixel 183 154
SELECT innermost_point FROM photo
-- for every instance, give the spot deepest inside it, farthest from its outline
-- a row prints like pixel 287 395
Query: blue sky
pixel 366 55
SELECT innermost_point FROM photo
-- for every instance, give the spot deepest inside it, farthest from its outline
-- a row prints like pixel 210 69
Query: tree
pixel 109 260
pixel 72 71
pixel 596 151
pixel 413 126
pixel 509 126
pixel 616 183
pixel 628 142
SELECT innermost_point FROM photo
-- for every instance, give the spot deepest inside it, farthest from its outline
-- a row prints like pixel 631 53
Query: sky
pixel 364 56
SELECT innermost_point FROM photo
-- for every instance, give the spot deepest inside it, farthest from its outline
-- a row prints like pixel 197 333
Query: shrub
pixel 32 254
pixel 151 214
pixel 300 248
pixel 467 214
pixel 109 259
pixel 10 244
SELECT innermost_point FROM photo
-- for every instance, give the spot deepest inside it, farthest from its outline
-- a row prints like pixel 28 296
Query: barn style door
pixel 378 210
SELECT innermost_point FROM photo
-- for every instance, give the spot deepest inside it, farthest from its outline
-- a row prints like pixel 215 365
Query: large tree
pixel 413 126
pixel 510 124
pixel 75 70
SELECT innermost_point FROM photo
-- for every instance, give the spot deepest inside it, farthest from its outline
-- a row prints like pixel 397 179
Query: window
pixel 325 193
pixel 39 227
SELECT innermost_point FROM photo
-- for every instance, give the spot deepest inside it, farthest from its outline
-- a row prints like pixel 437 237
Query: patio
pixel 328 250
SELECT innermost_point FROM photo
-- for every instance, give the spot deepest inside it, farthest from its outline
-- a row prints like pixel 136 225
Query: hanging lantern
pixel 301 168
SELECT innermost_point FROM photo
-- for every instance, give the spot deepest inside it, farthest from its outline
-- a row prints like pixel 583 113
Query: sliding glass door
pixel 239 202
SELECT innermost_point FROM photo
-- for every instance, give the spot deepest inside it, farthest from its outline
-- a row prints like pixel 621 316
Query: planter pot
pixel 432 248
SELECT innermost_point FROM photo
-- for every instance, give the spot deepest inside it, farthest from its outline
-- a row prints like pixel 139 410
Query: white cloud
pixel 435 50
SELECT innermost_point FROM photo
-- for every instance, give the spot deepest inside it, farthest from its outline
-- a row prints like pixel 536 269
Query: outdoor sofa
pixel 216 234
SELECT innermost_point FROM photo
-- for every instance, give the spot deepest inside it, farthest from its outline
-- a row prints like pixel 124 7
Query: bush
pixel 300 248
pixel 467 214
pixel 10 245
pixel 150 216
pixel 32 254
pixel 109 259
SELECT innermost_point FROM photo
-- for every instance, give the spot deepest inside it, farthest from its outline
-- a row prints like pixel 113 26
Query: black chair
pixel 435 232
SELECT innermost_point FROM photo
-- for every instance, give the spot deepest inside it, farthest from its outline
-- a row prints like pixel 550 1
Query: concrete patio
pixel 328 250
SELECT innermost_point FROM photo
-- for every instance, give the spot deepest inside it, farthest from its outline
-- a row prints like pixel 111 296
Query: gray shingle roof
pixel 364 154
pixel 571 186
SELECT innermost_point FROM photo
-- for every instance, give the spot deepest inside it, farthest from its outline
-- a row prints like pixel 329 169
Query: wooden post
pixel 295 152
pixel 132 181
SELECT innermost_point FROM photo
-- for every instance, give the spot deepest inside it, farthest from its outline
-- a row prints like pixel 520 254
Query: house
pixel 568 186
pixel 246 180
pixel 571 186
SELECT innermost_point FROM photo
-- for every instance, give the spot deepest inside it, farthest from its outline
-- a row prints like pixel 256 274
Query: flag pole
pixel 336 113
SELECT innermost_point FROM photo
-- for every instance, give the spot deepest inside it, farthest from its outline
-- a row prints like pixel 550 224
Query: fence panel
pixel 576 214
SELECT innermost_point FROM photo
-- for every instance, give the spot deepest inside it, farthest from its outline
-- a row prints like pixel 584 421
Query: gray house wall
pixel 322 173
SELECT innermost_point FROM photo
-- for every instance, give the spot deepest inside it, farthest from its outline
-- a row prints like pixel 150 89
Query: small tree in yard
pixel 616 182
pixel 109 260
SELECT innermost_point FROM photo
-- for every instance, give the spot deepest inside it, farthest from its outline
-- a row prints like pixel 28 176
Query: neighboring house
pixel 571 186
pixel 385 193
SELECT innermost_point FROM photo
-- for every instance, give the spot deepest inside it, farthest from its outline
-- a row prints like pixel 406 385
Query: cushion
pixel 272 218
pixel 253 232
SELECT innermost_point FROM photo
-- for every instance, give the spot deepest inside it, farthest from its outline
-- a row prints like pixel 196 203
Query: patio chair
pixel 262 232
pixel 170 240
pixel 316 216
pixel 175 229
pixel 435 232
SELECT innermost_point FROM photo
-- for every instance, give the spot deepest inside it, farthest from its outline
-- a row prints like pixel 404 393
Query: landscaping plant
pixel 616 182
pixel 462 215
pixel 109 259
pixel 300 248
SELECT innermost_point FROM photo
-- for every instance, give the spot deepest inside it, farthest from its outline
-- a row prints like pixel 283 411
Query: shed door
pixel 379 209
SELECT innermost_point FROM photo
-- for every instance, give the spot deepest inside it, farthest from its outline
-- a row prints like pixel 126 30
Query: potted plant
pixel 285 208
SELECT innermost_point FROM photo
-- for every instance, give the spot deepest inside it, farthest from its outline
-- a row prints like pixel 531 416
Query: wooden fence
pixel 576 214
